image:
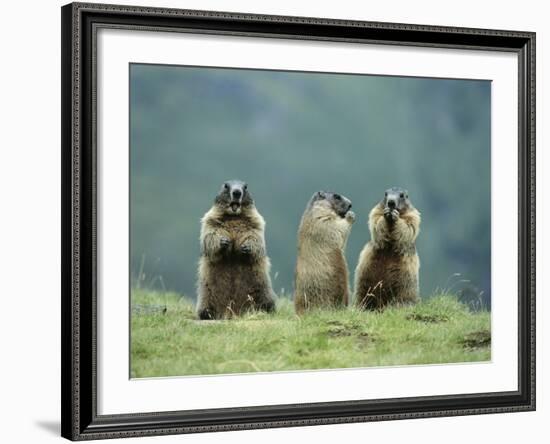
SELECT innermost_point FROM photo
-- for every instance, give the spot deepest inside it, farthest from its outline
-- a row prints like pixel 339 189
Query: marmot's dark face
pixel 396 199
pixel 340 204
pixel 233 197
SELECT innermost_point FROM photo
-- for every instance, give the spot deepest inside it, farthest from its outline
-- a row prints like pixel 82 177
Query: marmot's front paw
pixel 350 216
pixel 225 243
pixel 390 215
pixel 246 249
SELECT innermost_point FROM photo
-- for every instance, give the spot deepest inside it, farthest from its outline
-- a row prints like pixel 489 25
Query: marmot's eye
pixel 401 195
pixel 245 187
pixel 386 194
pixel 226 186
pixel 337 196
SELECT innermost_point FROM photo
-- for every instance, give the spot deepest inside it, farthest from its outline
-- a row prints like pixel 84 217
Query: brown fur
pixel 388 266
pixel 321 276
pixel 230 281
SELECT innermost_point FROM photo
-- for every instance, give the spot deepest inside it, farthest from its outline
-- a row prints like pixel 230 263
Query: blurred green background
pixel 289 134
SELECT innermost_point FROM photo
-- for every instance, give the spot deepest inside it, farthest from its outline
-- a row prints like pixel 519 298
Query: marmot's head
pixel 396 198
pixel 333 201
pixel 234 197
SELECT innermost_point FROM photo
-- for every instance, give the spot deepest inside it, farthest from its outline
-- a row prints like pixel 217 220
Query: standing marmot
pixel 321 277
pixel 234 267
pixel 388 266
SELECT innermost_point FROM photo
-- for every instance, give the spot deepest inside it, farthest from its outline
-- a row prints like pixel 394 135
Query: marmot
pixel 233 274
pixel 321 276
pixel 388 266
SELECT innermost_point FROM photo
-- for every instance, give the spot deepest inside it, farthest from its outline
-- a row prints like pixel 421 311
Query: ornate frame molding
pixel 80 22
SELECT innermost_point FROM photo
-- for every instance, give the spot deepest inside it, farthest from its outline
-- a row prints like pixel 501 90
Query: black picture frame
pixel 79 209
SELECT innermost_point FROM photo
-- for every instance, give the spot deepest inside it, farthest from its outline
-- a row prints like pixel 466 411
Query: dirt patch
pixel 339 331
pixel 428 318
pixel 364 339
pixel 477 339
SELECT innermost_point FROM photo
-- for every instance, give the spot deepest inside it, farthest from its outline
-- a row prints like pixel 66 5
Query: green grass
pixel 167 340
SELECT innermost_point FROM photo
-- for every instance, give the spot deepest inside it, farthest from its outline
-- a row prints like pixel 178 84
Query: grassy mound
pixel 167 340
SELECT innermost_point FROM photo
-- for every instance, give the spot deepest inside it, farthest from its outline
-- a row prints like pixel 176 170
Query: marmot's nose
pixel 237 194
pixel 391 203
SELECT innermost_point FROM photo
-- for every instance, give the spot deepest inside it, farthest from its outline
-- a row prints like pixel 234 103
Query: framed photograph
pixel 282 221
